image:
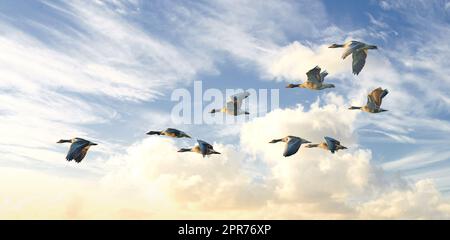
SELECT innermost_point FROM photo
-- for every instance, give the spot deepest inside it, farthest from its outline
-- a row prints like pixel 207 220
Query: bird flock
pixel 315 81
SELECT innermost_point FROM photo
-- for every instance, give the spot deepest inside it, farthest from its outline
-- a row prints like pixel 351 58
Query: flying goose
pixel 170 132
pixel 359 52
pixel 293 143
pixel 329 144
pixel 233 107
pixel 203 148
pixel 314 80
pixel 78 148
pixel 373 101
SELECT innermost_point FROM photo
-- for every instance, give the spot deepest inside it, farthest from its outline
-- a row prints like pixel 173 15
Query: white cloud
pixel 251 180
pixel 294 60
pixel 103 56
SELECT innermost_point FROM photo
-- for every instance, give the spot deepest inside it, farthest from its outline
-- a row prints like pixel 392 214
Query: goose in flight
pixel 293 143
pixel 78 148
pixel 202 147
pixel 233 106
pixel 330 144
pixel 314 80
pixel 373 101
pixel 359 52
pixel 170 132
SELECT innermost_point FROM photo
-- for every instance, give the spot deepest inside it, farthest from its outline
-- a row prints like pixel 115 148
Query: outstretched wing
pixel 332 143
pixel 314 75
pixel 235 103
pixel 172 130
pixel 323 75
pixel 239 96
pixel 377 95
pixel 233 107
pixel 359 60
pixel 82 154
pixel 76 150
pixel 204 147
pixel 292 146
pixel 351 48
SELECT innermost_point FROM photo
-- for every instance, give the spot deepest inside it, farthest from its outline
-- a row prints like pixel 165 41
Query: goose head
pixel 292 85
pixel 334 45
pixel 276 140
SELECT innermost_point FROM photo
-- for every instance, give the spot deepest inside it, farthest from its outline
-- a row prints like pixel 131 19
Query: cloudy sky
pixel 105 70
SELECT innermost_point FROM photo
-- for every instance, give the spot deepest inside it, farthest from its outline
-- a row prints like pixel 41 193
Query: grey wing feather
pixel 172 130
pixel 76 149
pixel 354 45
pixel 331 142
pixel 314 75
pixel 234 106
pixel 239 96
pixel 292 147
pixel 204 147
pixel 323 75
pixel 82 154
pixel 359 60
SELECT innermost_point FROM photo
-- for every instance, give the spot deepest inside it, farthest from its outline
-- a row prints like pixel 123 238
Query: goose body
pixel 330 144
pixel 233 106
pixel 358 50
pixel 315 79
pixel 170 132
pixel 202 148
pixel 293 143
pixel 78 148
pixel 374 100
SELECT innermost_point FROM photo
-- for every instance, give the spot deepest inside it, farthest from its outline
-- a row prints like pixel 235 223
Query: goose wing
pixel 239 96
pixel 292 146
pixel 332 143
pixel 204 147
pixel 233 107
pixel 235 103
pixel 359 60
pixel 323 75
pixel 314 75
pixel 76 150
pixel 351 47
pixel 377 95
pixel 173 130
pixel 82 154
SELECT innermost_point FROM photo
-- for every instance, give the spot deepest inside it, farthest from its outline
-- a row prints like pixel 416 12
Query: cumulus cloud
pixel 248 180
pixel 294 60
pixel 99 53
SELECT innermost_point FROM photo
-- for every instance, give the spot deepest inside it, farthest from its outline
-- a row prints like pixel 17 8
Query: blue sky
pixel 105 70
